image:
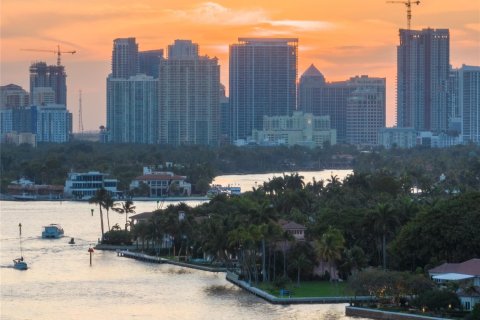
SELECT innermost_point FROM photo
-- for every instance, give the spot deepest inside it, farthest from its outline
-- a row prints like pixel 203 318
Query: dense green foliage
pixel 437 300
pixel 50 163
pixel 369 219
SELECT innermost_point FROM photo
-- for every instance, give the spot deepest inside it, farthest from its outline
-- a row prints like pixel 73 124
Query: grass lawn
pixel 310 289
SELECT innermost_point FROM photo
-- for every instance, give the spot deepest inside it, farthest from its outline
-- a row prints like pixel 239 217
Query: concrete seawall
pixel 384 315
pixel 154 259
pixel 233 278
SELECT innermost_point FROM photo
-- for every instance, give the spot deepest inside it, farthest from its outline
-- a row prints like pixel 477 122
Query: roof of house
pixel 141 216
pixel 469 292
pixel 290 225
pixel 156 177
pixel 470 267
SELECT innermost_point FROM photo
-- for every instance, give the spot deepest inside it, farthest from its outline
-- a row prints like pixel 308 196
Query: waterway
pixel 60 283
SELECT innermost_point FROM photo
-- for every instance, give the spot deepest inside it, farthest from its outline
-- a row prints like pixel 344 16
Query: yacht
pixel 53 230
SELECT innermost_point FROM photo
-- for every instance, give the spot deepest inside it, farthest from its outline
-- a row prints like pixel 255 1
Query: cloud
pixel 216 14
pixel 302 25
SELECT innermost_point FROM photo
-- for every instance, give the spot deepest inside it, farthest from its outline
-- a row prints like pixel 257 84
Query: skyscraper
pixel 124 58
pixel 132 98
pixel 132 109
pixel 467 94
pixel 189 89
pixel 263 75
pixel 54 77
pixel 356 106
pixel 149 61
pixel 325 99
pixel 13 96
pixel 365 110
pixel 423 65
pixel 183 49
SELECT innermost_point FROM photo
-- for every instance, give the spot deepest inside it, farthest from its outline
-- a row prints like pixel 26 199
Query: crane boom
pixel 57 51
pixel 408 4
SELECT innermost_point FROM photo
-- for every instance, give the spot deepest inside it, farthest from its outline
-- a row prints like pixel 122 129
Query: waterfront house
pixel 466 274
pixel 24 189
pixel 162 184
pixel 83 186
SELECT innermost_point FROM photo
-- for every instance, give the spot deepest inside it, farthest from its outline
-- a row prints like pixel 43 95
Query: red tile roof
pixel 470 267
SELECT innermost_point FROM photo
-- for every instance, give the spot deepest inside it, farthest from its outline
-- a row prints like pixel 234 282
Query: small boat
pixel 24 197
pixel 19 263
pixel 53 231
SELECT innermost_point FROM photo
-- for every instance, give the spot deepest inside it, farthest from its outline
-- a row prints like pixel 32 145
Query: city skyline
pixel 342 39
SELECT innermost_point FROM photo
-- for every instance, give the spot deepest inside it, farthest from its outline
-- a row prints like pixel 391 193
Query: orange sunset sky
pixel 343 38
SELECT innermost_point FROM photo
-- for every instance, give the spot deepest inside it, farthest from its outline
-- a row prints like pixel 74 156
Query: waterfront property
pixel 466 275
pixel 24 189
pixel 162 184
pixel 83 186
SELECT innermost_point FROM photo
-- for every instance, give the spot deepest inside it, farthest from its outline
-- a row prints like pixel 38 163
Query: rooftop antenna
pixel 408 4
pixel 80 118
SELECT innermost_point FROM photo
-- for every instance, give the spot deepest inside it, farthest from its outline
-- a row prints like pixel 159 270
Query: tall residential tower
pixel 263 75
pixel 189 89
pixel 423 66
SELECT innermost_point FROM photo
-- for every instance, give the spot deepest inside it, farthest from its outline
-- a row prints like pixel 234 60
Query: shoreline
pixel 139 199
pixel 233 278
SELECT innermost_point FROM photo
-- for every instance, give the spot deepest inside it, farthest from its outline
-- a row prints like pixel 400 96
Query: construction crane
pixel 58 52
pixel 408 4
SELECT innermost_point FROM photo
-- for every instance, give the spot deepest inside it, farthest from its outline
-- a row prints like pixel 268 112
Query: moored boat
pixel 53 231
pixel 19 264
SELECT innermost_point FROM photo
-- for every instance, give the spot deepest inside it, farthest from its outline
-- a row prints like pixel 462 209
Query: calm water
pixel 247 181
pixel 60 284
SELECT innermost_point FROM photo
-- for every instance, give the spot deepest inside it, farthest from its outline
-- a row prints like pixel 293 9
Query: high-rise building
pixel 311 81
pixel 263 75
pixel 149 61
pixel 423 66
pixel 42 96
pixel 467 93
pixel 132 109
pixel 183 49
pixel 13 96
pixel 49 123
pixel 124 58
pixel 189 89
pixel 353 105
pixel 225 116
pixel 365 110
pixel 54 77
pixel 53 123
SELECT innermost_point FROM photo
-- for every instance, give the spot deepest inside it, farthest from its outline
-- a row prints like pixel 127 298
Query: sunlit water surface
pixel 60 284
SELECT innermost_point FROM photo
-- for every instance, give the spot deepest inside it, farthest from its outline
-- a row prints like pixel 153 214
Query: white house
pixel 83 186
pixel 162 184
pixel 468 273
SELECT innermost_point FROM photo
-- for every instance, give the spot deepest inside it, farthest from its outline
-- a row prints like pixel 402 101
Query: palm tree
pixel 99 198
pixel 384 222
pixel 301 261
pixel 108 204
pixel 330 246
pixel 127 207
